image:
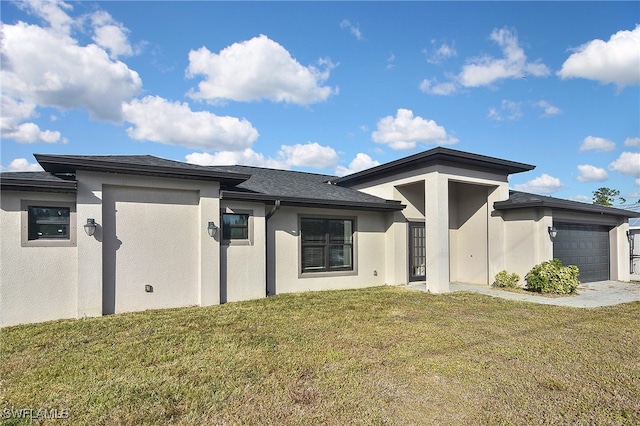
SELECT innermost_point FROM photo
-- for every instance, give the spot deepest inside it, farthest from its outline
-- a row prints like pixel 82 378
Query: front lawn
pixel 375 356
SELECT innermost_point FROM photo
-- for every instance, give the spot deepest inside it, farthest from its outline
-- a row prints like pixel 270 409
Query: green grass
pixel 373 356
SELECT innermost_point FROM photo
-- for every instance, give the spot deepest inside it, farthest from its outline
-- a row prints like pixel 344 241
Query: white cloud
pixel 486 70
pixel 22 165
pixel 404 131
pixel 390 61
pixel 509 110
pixel 52 12
pixel 543 184
pixel 632 142
pixel 594 143
pixel 360 162
pixel 580 198
pixel 13 113
pixel 627 164
pixel 111 35
pixel 589 173
pixel 311 154
pixel 548 110
pixel 432 87
pixel 615 61
pixel 353 29
pixel 46 66
pixel 438 54
pixel 257 69
pixel 173 123
pixel 246 157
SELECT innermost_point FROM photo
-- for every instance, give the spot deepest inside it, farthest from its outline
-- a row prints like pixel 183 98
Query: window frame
pixel 328 271
pixel 25 205
pixel 237 241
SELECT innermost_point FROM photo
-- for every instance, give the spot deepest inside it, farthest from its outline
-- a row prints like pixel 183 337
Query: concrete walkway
pixel 590 295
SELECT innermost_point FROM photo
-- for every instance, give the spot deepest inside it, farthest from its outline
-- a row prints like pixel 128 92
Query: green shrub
pixel 552 277
pixel 505 279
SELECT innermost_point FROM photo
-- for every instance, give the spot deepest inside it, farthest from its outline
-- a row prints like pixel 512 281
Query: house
pixel 634 242
pixel 96 235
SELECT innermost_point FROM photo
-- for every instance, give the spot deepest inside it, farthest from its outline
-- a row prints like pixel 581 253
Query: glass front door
pixel 417 252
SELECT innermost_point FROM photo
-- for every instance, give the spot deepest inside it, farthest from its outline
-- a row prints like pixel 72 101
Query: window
pixel 326 244
pixel 235 226
pixel 47 223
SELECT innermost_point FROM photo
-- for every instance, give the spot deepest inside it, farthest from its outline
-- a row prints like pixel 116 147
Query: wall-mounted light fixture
pixel 552 231
pixel 212 229
pixel 90 227
pixel 629 236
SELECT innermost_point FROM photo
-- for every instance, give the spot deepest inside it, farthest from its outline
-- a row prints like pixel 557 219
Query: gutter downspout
pixel 266 244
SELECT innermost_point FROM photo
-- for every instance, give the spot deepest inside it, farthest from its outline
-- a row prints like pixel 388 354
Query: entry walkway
pixel 590 295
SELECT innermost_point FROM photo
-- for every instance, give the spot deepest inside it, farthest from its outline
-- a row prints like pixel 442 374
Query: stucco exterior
pixel 243 263
pixel 36 283
pixel 283 252
pixel 441 216
pixel 455 204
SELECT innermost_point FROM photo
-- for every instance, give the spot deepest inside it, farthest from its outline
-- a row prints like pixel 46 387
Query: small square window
pixel 235 226
pixel 47 223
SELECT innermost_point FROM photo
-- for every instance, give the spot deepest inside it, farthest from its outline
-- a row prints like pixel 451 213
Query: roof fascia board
pixel 32 185
pixel 312 202
pixel 438 155
pixel 65 164
pixel 506 205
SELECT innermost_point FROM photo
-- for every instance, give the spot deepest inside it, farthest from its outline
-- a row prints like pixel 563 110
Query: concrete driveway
pixel 590 295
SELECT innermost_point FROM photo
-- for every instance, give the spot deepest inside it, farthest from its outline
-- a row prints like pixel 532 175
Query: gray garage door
pixel 587 247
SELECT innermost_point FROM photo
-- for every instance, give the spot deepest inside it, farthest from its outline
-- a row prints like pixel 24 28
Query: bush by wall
pixel 505 279
pixel 553 277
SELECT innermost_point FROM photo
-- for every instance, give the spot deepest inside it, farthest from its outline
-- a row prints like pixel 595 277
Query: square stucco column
pixel 619 252
pixel 89 205
pixel 210 247
pixel 437 232
pixel 496 231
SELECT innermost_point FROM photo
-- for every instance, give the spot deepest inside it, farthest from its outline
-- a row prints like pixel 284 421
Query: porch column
pixel 437 232
pixel 496 232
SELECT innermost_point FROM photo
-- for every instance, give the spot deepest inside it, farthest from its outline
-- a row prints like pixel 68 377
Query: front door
pixel 417 252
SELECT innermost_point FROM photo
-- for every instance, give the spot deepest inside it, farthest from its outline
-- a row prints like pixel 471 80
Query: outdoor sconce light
pixel 212 229
pixel 552 231
pixel 629 236
pixel 90 227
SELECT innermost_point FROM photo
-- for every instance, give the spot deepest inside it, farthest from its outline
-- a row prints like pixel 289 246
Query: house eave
pixel 70 164
pixel 440 155
pixel 33 185
pixel 565 205
pixel 389 206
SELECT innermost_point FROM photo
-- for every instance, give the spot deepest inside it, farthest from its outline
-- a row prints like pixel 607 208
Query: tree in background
pixel 606 196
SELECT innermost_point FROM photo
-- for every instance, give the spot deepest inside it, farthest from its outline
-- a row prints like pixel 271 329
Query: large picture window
pixel 327 244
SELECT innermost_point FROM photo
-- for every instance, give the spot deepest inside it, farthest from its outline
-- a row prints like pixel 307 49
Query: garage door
pixel 587 247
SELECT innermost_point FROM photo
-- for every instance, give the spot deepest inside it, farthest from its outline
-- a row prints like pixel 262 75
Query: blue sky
pixel 330 87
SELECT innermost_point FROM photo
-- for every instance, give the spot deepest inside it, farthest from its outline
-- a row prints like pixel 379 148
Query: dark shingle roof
pixel 433 156
pixel 635 222
pixel 520 200
pixel 301 188
pixel 147 165
pixel 37 181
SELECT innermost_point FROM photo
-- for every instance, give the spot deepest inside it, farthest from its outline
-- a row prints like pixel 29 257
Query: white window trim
pixel 24 224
